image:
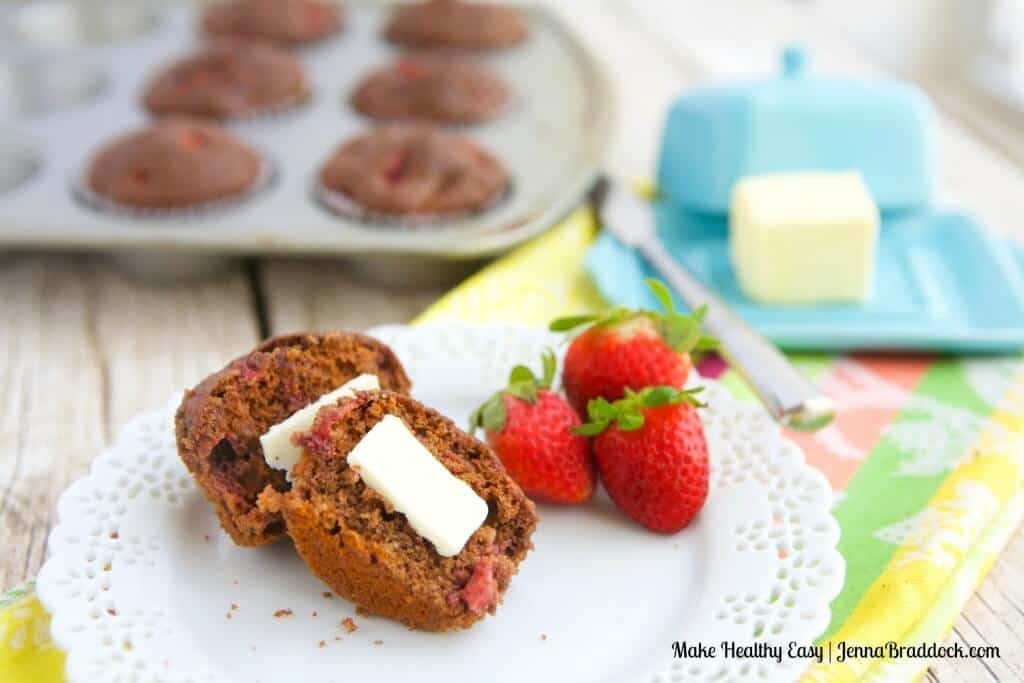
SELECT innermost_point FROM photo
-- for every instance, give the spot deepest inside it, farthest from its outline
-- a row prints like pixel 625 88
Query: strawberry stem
pixel 628 412
pixel 679 331
pixel 522 384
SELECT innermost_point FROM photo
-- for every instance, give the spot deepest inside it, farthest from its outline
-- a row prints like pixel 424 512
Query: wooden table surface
pixel 84 347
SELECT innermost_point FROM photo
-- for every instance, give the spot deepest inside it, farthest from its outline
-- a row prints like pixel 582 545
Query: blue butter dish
pixel 942 282
pixel 716 134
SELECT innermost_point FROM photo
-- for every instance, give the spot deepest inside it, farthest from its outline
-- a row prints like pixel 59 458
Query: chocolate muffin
pixel 219 422
pixel 409 169
pixel 456 25
pixel 288 22
pixel 227 80
pixel 438 89
pixel 174 163
pixel 358 544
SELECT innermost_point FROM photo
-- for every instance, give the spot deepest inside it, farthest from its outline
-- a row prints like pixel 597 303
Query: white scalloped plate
pixel 141 581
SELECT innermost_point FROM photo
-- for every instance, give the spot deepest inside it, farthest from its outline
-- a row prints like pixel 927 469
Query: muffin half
pixel 357 540
pixel 219 422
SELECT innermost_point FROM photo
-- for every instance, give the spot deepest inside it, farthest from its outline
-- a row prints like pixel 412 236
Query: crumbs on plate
pixel 283 613
pixel 349 625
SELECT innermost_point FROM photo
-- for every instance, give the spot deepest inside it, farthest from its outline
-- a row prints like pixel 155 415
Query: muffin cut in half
pixel 354 540
pixel 219 422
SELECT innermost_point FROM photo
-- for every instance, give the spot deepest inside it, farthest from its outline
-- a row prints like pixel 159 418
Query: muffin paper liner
pixel 271 114
pixel 510 109
pixel 343 205
pixel 97 202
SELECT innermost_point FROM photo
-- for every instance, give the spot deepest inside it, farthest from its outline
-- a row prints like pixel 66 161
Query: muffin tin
pixel 72 74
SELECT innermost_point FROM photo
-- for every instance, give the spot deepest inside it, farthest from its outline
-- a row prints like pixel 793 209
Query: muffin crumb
pixel 283 613
pixel 349 625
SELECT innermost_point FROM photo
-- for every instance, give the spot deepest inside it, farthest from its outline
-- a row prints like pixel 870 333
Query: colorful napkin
pixel 924 459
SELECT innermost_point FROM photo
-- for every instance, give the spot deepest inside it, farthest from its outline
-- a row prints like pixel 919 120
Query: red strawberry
pixel 652 455
pixel 630 349
pixel 530 428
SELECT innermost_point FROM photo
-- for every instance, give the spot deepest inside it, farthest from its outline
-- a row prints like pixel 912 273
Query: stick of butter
pixel 278 449
pixel 803 238
pixel 441 507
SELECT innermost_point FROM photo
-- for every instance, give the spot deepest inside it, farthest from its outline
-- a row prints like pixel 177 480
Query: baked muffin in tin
pixel 287 22
pixel 458 25
pixel 414 170
pixel 228 80
pixel 175 163
pixel 445 90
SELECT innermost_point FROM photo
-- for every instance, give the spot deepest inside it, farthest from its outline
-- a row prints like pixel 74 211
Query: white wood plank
pixel 82 349
pixel 326 295
pixel 994 616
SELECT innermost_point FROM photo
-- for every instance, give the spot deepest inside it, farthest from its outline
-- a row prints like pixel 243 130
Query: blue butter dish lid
pixel 882 128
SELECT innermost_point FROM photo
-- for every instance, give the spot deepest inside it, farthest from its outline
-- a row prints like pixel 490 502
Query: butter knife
pixel 789 396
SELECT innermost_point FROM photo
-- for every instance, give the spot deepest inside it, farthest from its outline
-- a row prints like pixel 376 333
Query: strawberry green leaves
pixel 627 413
pixel 490 416
pixel 572 322
pixel 522 384
pixel 679 331
pixel 612 317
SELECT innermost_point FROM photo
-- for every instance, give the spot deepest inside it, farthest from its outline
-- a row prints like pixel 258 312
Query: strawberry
pixel 652 455
pixel 630 349
pixel 530 428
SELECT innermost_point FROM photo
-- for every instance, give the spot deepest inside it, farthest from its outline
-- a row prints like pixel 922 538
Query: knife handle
pixel 789 396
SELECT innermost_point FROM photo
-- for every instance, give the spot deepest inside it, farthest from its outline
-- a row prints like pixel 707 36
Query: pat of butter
pixel 441 507
pixel 803 238
pixel 278 449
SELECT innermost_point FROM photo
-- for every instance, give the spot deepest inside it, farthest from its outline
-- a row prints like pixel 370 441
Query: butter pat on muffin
pixel 804 238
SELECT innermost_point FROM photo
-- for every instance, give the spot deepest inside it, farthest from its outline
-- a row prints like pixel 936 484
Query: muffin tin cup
pixel 182 214
pixel 43 86
pixel 70 24
pixel 341 204
pixel 19 162
pixel 269 115
pixel 508 112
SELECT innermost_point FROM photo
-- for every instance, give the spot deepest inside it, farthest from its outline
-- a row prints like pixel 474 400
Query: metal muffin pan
pixel 551 141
